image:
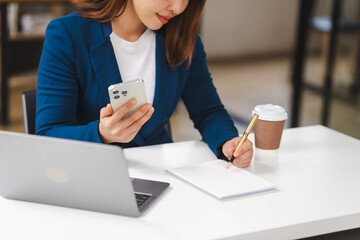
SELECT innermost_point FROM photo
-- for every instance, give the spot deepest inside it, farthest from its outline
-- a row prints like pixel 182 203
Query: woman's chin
pixel 154 26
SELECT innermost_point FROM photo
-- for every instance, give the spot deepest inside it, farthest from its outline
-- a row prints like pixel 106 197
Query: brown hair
pixel 180 32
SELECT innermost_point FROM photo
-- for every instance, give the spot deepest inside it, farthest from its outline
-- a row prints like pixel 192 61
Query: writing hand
pixel 243 155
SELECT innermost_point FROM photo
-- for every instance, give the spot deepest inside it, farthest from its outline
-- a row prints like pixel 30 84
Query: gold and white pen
pixel 244 136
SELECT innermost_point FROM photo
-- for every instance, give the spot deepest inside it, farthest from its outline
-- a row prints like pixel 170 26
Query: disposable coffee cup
pixel 269 126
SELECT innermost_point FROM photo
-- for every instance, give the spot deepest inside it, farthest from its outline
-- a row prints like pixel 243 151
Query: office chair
pixel 29 110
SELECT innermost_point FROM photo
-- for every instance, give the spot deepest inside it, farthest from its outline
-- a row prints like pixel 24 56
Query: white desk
pixel 316 170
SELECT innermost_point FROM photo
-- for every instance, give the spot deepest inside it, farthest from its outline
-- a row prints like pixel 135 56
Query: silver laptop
pixel 70 173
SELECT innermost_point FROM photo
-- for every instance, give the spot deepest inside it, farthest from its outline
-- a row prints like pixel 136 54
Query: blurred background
pixel 301 54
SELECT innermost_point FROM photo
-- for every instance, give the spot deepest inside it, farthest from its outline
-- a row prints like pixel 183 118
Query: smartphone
pixel 121 93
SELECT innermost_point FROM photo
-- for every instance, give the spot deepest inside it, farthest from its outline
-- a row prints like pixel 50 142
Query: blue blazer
pixel 77 66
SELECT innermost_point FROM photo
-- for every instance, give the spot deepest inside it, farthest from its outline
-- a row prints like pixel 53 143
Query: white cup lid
pixel 270 112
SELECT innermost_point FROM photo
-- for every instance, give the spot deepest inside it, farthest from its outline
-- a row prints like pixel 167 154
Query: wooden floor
pixel 241 86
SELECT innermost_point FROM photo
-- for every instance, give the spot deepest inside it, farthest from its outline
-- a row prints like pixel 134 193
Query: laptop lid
pixel 69 173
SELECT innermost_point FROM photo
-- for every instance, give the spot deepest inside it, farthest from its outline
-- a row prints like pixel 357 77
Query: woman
pixel 110 41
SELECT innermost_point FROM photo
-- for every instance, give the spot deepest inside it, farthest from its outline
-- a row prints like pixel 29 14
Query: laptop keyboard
pixel 141 198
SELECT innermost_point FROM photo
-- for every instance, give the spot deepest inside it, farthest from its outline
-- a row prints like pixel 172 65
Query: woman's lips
pixel 163 19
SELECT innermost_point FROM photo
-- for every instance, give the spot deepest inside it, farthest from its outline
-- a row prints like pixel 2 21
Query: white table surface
pixel 316 171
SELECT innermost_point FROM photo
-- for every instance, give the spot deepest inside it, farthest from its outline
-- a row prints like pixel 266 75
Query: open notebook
pixel 213 178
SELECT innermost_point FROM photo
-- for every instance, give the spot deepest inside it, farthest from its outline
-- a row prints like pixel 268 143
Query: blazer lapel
pixel 105 66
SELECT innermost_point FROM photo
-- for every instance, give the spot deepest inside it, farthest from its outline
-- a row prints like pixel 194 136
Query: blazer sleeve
pixel 203 103
pixel 58 89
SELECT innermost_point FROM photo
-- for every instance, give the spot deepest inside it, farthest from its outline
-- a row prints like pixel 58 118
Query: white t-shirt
pixel 137 60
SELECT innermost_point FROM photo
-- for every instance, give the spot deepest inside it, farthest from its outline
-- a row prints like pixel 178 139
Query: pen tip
pixel 228 165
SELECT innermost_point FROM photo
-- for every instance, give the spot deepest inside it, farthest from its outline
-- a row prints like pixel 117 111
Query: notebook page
pixel 213 178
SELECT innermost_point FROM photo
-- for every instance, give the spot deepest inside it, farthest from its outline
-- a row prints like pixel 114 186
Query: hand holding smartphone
pixel 115 125
pixel 122 92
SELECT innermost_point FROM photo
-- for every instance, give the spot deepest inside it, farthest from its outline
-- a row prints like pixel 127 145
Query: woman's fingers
pixel 229 147
pixel 244 159
pixel 121 111
pixel 136 126
pixel 130 132
pixel 139 113
pixel 246 146
pixel 106 111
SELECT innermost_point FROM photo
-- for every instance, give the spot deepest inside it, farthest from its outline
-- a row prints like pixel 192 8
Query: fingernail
pixel 133 101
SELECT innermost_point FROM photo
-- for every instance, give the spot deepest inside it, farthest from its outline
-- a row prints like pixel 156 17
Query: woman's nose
pixel 177 6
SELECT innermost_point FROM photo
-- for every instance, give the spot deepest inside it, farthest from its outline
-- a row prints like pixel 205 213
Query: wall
pixel 239 28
